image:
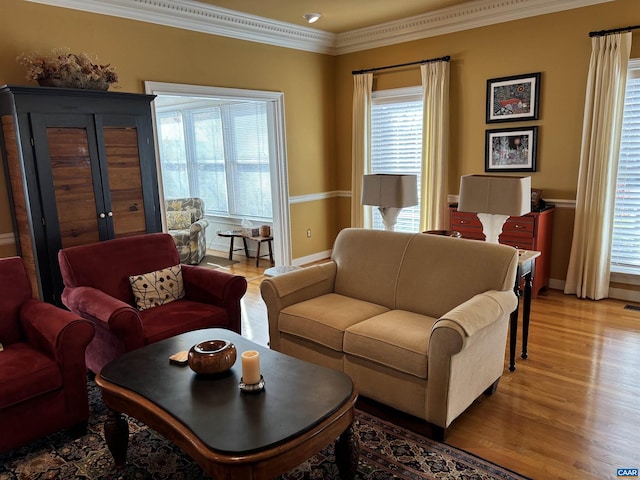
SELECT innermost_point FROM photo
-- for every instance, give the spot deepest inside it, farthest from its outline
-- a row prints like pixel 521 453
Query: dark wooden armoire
pixel 80 168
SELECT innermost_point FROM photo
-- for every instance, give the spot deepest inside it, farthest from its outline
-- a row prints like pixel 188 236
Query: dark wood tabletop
pixel 299 400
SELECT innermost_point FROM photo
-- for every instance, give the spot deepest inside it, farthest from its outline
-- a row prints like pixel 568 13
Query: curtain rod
pixel 602 33
pixel 430 60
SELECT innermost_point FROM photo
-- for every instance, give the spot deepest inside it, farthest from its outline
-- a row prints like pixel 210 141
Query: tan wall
pixel 143 51
pixel 556 45
pixel 318 93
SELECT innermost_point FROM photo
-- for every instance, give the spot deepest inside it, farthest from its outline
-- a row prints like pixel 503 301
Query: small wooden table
pixel 525 274
pixel 232 434
pixel 232 234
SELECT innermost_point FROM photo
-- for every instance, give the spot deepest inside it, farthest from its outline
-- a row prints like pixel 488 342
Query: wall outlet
pixel 308 233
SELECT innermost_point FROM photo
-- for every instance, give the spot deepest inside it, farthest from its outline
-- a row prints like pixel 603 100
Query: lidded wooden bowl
pixel 212 357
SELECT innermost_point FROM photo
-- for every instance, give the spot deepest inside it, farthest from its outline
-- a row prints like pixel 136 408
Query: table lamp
pixel 390 193
pixel 494 198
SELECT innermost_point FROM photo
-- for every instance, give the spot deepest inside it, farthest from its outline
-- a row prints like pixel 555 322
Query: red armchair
pixel 97 287
pixel 43 378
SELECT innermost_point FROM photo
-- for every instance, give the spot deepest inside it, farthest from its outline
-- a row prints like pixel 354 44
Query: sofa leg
pixel 492 388
pixel 438 433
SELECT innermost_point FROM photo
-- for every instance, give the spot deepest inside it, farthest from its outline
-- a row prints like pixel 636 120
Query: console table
pixel 232 234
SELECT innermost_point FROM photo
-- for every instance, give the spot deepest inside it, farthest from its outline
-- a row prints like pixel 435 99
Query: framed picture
pixel 511 149
pixel 536 195
pixel 511 99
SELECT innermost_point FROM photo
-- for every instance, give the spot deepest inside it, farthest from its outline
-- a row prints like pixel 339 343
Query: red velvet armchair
pixel 97 287
pixel 43 377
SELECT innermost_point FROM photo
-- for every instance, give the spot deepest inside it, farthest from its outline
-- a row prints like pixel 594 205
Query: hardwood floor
pixel 570 411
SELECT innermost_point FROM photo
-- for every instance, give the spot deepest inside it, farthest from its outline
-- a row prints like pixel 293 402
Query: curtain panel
pixel 589 263
pixel 434 208
pixel 360 145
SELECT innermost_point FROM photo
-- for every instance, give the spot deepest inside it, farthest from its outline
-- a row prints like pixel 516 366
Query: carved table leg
pixel 116 433
pixel 347 452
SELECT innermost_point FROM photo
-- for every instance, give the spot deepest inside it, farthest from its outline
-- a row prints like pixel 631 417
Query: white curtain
pixel 589 270
pixel 434 208
pixel 360 145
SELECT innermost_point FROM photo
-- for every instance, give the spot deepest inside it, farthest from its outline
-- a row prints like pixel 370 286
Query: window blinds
pixel 625 253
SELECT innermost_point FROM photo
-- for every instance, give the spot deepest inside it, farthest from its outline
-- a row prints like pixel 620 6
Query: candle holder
pixel 252 388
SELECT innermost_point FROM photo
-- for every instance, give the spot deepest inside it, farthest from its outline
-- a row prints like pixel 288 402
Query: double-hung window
pixel 219 152
pixel 625 252
pixel 396 144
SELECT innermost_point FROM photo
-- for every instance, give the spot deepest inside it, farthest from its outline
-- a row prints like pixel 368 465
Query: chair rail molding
pixel 200 17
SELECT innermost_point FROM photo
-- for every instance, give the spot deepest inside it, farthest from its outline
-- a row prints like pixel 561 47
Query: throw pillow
pixel 179 219
pixel 157 288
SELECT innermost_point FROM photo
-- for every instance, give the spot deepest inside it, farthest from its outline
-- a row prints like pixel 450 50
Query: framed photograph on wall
pixel 511 99
pixel 511 150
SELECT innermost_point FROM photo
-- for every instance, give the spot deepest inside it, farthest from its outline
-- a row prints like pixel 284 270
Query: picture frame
pixel 511 149
pixel 536 196
pixel 512 99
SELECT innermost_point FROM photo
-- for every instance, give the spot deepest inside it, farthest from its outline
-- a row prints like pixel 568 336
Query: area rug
pixel 386 452
pixel 212 261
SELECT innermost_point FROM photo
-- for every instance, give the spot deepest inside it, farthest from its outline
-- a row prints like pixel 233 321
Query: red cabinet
pixel 529 232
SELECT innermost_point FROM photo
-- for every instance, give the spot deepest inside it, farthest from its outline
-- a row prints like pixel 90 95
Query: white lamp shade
pixel 384 190
pixel 502 195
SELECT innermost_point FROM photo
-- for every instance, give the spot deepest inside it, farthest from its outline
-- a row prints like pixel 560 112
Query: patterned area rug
pixel 386 452
pixel 212 261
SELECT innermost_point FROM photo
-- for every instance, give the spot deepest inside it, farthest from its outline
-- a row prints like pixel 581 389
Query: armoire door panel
pixel 72 176
pixel 125 180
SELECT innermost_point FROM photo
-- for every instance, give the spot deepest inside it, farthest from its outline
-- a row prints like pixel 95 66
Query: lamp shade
pixel 502 195
pixel 385 190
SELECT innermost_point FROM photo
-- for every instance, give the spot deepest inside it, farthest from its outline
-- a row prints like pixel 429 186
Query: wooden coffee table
pixel 229 433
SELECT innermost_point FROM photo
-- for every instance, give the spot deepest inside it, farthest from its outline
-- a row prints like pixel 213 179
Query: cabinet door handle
pixel 110 214
pixel 519 226
pixel 102 215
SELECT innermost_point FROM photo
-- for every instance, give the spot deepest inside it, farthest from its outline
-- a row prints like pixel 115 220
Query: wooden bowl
pixel 212 357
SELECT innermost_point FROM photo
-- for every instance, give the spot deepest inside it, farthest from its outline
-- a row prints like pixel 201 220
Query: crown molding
pixel 473 14
pixel 205 18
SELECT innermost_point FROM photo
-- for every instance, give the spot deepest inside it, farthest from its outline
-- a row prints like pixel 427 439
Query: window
pixel 625 253
pixel 396 144
pixel 218 151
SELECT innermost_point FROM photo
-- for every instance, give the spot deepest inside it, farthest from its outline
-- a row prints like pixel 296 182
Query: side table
pixel 525 274
pixel 232 234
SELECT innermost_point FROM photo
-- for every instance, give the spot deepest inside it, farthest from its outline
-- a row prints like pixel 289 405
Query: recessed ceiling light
pixel 311 17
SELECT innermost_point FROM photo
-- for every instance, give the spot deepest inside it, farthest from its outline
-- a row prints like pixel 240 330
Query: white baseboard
pixel 614 293
pixel 316 257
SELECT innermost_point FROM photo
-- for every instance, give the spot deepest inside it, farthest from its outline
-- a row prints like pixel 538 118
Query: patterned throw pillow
pixel 179 219
pixel 157 288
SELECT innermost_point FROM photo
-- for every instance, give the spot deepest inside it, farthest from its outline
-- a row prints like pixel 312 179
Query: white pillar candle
pixel 250 367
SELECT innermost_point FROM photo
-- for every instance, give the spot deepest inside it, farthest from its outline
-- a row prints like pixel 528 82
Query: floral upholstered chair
pixel 187 225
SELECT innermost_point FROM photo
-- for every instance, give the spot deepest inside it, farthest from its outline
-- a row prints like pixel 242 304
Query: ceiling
pixel 338 16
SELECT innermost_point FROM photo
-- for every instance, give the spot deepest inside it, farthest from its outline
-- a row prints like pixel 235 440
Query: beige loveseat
pixel 418 321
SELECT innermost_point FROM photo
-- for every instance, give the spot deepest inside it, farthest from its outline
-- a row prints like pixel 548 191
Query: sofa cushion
pixel 157 288
pixel 324 319
pixel 178 317
pixel 26 373
pixel 368 263
pixel 397 339
pixel 179 219
pixel 439 273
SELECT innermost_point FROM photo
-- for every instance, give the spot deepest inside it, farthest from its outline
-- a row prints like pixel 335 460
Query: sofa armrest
pixel 215 287
pixel 99 307
pixel 198 226
pixel 481 310
pixel 294 287
pixel 65 336
pixel 48 327
pixel 466 353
